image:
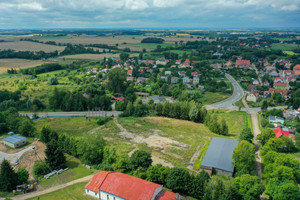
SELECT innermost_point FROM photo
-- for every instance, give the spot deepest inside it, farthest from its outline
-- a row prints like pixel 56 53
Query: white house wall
pixel 103 196
pixel 92 193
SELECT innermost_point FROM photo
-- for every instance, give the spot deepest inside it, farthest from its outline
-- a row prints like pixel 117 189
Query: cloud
pixel 30 6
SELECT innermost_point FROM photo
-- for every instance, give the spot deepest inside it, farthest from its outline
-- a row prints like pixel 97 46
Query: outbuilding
pixel 218 157
pixel 15 141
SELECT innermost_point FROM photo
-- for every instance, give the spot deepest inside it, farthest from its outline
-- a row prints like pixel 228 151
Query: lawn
pixel 213 97
pixel 74 192
pixel 235 120
pixel 76 171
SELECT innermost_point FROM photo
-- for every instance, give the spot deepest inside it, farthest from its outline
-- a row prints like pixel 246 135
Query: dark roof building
pixel 218 157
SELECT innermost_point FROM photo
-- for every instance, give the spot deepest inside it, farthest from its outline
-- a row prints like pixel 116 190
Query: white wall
pixel 92 193
pixel 103 196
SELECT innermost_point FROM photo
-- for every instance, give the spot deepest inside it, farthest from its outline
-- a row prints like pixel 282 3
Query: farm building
pixel 218 157
pixel 119 186
pixel 15 141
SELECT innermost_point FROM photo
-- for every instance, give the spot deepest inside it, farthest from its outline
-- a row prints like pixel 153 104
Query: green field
pixel 76 171
pixel 75 192
pixel 213 97
pixel 284 47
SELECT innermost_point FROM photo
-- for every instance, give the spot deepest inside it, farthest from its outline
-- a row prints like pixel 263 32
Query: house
pixel 174 80
pixel 279 132
pixel 229 63
pixel 252 96
pixel 275 120
pixel 195 74
pixel 242 63
pixel 286 73
pixel 130 79
pixel 273 73
pixel 119 186
pixel 251 88
pixel 201 88
pixel 284 93
pixel 280 86
pixel 278 80
pixel 255 82
pixel 140 80
pixel 297 70
pixel 129 72
pixel 218 157
pixel 15 141
pixel 186 80
pixel 290 114
pixel 181 73
pixel 195 80
pixel 156 99
pixel 142 94
pixel 161 62
pixel 177 62
pixel 95 69
pixel 168 73
pixel 266 83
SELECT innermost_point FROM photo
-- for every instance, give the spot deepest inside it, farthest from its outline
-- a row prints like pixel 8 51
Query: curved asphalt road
pixel 238 93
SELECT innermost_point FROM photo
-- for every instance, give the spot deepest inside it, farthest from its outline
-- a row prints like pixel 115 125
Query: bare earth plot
pixel 29 46
pixel 17 63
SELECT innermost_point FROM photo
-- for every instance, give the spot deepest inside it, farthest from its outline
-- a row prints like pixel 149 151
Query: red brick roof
pixel 242 62
pixel 282 92
pixel 289 72
pixel 122 185
pixel 297 67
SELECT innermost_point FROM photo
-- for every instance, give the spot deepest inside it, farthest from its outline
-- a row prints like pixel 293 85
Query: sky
pixel 139 14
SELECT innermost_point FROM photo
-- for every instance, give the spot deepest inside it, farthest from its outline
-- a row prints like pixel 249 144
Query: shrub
pixel 40 169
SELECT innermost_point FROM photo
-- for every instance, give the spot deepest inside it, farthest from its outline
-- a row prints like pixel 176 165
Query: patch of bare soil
pixel 29 158
pixel 157 160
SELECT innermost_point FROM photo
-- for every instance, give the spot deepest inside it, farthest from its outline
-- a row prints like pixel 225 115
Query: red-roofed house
pixel 283 132
pixel 177 62
pixel 242 63
pixel 280 86
pixel 119 186
pixel 129 72
pixel 297 70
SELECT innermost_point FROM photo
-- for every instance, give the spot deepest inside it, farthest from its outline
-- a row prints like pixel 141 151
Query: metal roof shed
pixel 15 141
pixel 218 157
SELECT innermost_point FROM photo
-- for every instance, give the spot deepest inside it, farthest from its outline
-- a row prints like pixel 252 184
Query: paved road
pixel 238 93
pixel 74 114
pixel 14 157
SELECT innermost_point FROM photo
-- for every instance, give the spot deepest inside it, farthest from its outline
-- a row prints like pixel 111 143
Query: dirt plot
pixel 93 56
pixel 17 64
pixel 29 46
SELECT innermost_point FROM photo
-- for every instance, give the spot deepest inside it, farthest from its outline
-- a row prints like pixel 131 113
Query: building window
pixel 107 197
pixel 114 198
pixel 95 193
pixel 87 190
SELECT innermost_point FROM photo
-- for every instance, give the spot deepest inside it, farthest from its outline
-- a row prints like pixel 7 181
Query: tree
pixel 55 157
pixel 247 135
pixel 53 80
pixel 26 127
pixel 47 134
pixel 193 114
pixel 22 175
pixel 8 178
pixel 198 185
pixel 122 164
pixel 40 168
pixel 116 78
pixel 265 135
pixel 249 187
pixel 264 105
pixel 157 173
pixel 244 158
pixel 124 56
pixel 140 158
pixel 178 180
pixel 282 190
pixel 223 128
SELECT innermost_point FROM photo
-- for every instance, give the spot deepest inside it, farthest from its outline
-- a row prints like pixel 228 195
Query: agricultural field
pixel 172 142
pixel 17 63
pixel 29 46
pixel 284 47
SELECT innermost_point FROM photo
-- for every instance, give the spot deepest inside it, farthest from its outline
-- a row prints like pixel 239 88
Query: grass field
pixel 18 64
pixel 74 192
pixel 290 53
pixel 76 171
pixel 284 47
pixel 213 97
pixel 30 46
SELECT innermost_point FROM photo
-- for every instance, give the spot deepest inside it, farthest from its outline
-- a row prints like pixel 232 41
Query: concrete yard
pixel 14 157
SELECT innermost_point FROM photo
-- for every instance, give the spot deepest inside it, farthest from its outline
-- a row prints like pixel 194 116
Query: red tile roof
pixel 279 132
pixel 194 73
pixel 282 92
pixel 280 84
pixel 167 196
pixel 289 72
pixel 123 185
pixel 297 67
pixel 242 62
pixel 96 181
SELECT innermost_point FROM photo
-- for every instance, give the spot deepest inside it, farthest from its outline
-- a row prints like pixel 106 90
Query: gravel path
pixel 14 157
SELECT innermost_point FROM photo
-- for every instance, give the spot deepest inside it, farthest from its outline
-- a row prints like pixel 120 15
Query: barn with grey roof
pixel 15 141
pixel 218 157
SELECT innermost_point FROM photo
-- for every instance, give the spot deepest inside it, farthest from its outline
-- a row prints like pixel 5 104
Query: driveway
pixel 14 157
